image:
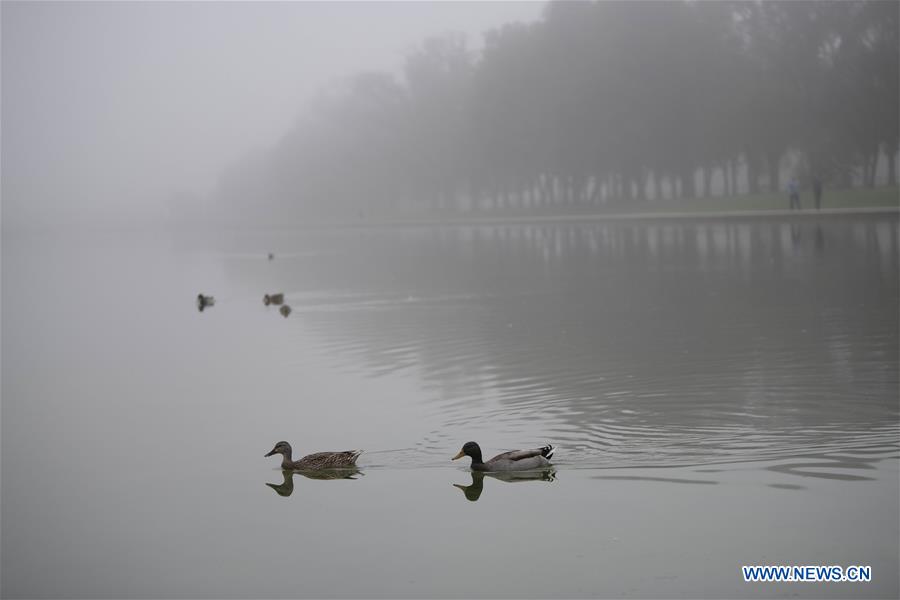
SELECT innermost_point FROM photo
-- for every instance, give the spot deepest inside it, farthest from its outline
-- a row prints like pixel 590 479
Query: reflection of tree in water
pixel 286 488
pixel 474 490
pixel 726 324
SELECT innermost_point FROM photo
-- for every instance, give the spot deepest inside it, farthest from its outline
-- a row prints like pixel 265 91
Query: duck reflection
pixel 286 488
pixel 473 491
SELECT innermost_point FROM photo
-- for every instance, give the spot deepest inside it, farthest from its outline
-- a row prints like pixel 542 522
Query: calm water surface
pixel 722 393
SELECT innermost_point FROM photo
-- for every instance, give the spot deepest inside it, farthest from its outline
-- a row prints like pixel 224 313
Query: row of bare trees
pixel 595 103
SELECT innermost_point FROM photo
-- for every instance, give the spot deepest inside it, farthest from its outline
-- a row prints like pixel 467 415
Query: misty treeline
pixel 597 103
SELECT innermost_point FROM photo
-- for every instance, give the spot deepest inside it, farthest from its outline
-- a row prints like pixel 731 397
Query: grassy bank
pixel 833 202
pixel 853 198
pixel 843 199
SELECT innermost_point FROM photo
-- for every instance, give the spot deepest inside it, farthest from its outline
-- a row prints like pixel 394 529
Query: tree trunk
pixel 595 192
pixel 752 174
pixel 872 168
pixel 688 183
pixel 892 167
pixel 729 178
pixel 772 167
pixel 640 189
pixel 583 189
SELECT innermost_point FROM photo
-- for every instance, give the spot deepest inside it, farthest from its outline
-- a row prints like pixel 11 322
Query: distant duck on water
pixel 319 460
pixel 204 302
pixel 275 299
pixel 285 311
pixel 515 460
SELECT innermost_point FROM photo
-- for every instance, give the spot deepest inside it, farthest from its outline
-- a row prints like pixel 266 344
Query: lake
pixel 721 392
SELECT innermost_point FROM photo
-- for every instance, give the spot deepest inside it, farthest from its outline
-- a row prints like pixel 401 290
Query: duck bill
pixel 460 455
pixel 271 452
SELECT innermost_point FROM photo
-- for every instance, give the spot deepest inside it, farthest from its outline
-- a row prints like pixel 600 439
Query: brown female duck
pixel 319 460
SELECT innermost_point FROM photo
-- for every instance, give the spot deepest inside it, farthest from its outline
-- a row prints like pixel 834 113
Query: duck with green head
pixel 514 460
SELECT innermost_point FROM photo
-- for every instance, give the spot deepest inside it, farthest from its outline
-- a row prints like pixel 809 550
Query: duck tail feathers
pixel 547 451
pixel 354 454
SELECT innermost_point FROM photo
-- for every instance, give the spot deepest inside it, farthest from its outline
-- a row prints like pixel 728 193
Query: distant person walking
pixel 817 192
pixel 793 189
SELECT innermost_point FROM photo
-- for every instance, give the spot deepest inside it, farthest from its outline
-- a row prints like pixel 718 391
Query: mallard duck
pixel 204 302
pixel 275 299
pixel 285 310
pixel 319 460
pixel 515 460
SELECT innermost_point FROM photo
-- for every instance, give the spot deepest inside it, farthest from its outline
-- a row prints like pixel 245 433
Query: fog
pixel 248 113
pixel 597 104
pixel 399 227
pixel 116 111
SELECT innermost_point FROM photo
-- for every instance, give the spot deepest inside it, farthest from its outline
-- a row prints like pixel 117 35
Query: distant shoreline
pixel 838 203
pixel 636 216
pixel 879 201
pixel 792 215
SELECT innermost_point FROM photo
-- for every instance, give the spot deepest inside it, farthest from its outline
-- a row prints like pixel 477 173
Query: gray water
pixel 722 393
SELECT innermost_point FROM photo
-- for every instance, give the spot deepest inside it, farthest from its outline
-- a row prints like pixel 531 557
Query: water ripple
pixel 626 345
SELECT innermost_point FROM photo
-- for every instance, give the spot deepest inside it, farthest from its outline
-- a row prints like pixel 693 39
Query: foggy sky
pixel 109 109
